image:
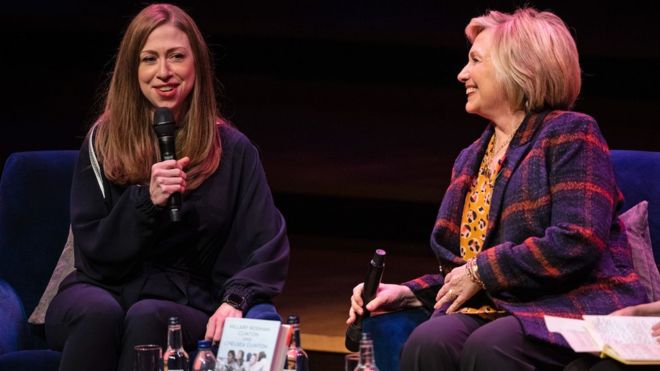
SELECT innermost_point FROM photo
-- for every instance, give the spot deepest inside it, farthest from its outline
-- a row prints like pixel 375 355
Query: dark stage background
pixel 354 104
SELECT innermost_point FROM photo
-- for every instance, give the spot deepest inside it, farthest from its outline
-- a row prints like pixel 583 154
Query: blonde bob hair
pixel 125 142
pixel 534 56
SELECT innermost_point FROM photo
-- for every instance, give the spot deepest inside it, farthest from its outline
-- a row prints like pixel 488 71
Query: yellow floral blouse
pixel 475 217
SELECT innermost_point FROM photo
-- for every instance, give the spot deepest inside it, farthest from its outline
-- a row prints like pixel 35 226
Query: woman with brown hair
pixel 134 267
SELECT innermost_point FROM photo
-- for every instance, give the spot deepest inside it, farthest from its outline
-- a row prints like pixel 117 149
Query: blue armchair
pixel 34 224
pixel 638 176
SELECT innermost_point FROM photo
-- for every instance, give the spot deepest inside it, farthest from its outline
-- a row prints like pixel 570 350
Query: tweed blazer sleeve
pixel 553 210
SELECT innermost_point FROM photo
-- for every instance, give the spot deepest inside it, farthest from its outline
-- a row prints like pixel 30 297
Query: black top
pixel 231 239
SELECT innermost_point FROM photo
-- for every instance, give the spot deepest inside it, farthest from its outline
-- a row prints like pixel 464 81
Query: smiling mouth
pixel 470 90
pixel 166 88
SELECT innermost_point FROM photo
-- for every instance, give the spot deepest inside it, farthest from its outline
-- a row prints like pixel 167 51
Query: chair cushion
pixel 62 269
pixel 389 332
pixel 637 231
pixel 638 176
pixel 42 360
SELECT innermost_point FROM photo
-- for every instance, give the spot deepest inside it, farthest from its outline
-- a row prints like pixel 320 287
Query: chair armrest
pixel 13 323
pixel 389 332
pixel 263 311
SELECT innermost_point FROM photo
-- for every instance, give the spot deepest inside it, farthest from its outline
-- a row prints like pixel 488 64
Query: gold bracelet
pixel 473 272
pixel 468 269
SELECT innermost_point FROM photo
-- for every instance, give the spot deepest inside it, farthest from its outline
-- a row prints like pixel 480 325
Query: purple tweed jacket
pixel 554 244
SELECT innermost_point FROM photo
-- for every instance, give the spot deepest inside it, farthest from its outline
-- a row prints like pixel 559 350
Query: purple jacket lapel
pixel 514 155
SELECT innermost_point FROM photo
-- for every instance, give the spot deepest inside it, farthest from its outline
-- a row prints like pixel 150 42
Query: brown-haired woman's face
pixel 167 68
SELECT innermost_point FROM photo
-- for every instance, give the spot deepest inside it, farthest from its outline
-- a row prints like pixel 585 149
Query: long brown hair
pixel 124 142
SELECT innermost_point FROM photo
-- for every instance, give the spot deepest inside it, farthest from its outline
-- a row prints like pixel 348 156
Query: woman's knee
pixel 500 344
pixel 84 302
pixel 79 310
pixel 437 343
pixel 146 321
pixel 148 314
pixel 428 337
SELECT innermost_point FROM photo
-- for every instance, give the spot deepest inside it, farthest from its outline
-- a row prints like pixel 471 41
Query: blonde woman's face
pixel 485 95
pixel 167 70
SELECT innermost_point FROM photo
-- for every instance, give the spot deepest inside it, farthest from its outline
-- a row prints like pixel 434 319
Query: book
pixel 625 338
pixel 253 345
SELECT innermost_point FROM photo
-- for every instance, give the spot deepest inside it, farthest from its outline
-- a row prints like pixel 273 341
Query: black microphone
pixel 165 128
pixel 374 275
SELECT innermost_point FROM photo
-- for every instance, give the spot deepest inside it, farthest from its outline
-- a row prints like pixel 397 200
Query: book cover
pixel 626 339
pixel 252 345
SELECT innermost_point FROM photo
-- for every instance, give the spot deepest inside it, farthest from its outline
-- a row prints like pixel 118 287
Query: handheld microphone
pixel 165 128
pixel 374 275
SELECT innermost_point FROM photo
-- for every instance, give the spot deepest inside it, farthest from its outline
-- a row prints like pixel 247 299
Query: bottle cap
pixel 173 321
pixel 203 344
pixel 292 319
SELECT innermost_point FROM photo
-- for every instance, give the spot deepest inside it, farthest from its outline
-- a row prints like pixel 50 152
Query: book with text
pixel 253 344
pixel 626 339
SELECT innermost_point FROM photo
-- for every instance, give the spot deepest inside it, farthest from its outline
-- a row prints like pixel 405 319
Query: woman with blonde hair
pixel 528 225
pixel 135 267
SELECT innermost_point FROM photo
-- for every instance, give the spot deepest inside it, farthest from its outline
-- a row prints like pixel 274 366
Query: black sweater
pixel 231 239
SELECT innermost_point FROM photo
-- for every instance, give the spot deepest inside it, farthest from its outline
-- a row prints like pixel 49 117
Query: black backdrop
pixel 345 99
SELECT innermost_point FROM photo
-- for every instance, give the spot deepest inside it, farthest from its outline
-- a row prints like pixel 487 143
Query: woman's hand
pixel 217 320
pixel 167 177
pixel 648 309
pixel 655 331
pixel 458 289
pixel 388 298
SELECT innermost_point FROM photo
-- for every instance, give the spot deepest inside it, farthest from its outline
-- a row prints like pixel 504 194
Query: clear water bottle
pixel 296 357
pixel 367 362
pixel 175 357
pixel 204 360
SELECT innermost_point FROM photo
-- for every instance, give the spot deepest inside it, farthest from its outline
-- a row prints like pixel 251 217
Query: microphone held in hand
pixel 374 275
pixel 165 128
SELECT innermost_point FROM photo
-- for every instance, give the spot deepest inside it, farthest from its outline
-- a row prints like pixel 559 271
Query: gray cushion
pixel 62 269
pixel 637 230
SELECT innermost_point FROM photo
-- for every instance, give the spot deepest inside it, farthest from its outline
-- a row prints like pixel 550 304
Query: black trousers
pixel 94 332
pixel 592 363
pixel 468 342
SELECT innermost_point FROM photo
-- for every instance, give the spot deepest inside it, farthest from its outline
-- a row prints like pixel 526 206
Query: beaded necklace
pixel 492 153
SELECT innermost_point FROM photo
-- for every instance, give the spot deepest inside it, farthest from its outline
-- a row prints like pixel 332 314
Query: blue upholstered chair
pixel 638 176
pixel 34 225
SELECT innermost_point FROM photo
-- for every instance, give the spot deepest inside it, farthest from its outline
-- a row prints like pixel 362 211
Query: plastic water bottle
pixel 205 360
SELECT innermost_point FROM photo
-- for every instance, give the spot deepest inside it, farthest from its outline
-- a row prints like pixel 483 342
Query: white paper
pixel 629 337
pixel 575 332
pixel 623 329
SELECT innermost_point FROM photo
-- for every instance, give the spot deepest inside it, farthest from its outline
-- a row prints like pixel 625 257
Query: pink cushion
pixel 637 230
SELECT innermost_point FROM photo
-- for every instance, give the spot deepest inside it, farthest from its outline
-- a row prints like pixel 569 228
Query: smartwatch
pixel 235 301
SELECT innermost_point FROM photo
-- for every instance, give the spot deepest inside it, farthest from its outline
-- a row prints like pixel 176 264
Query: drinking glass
pixel 148 357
